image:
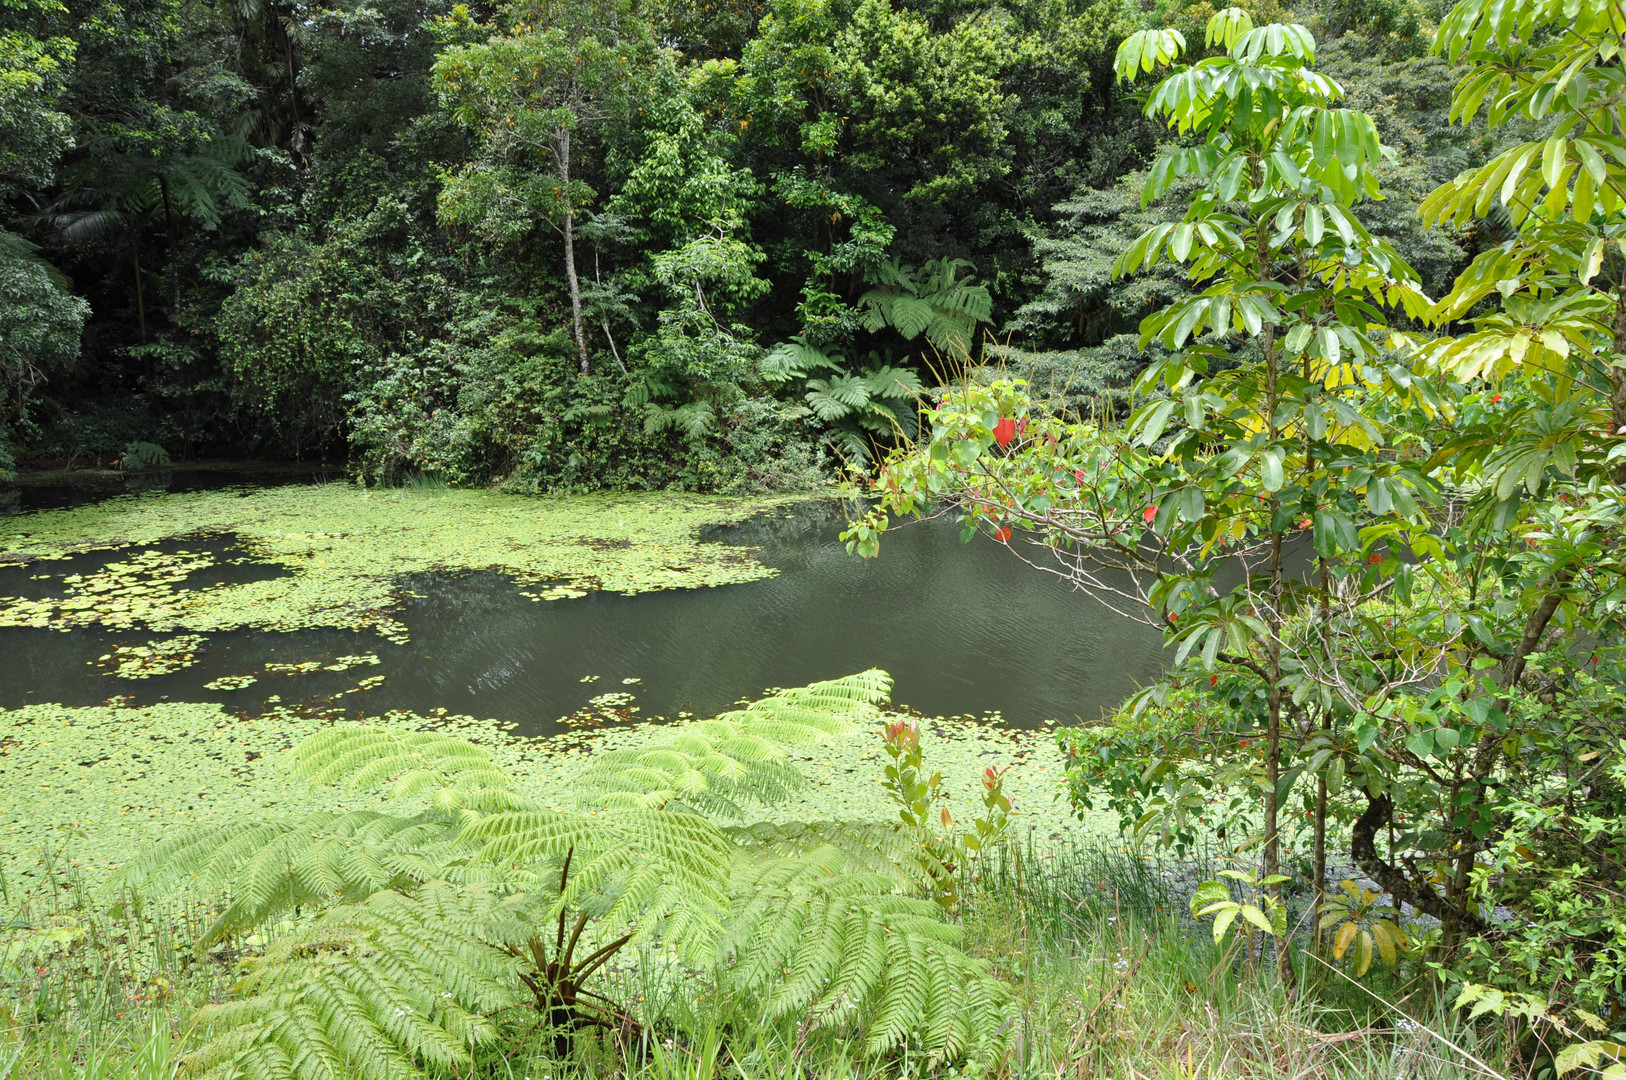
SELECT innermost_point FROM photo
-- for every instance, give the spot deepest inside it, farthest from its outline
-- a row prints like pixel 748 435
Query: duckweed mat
pixel 344 550
pixel 89 788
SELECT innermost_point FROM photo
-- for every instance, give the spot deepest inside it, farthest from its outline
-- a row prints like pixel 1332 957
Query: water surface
pixel 963 628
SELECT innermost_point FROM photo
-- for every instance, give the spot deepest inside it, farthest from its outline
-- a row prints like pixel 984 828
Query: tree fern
pixel 713 764
pixel 272 865
pixel 379 989
pixel 822 940
pixel 456 773
pixel 933 300
pixel 475 919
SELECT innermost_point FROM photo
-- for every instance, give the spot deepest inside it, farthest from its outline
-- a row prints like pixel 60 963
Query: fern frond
pixel 382 989
pixel 843 949
pixel 793 359
pixel 269 866
pixel 819 710
pixel 712 765
pixel 709 764
pixel 640 865
pixel 896 851
pixel 364 756
pixel 836 397
pixel 910 315
pixel 893 382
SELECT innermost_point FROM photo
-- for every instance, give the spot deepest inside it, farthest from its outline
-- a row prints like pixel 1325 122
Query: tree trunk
pixel 1325 583
pixel 141 300
pixel 604 320
pixel 1617 381
pixel 1273 622
pixel 570 251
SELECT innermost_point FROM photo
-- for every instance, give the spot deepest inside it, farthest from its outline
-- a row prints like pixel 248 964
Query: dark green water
pixel 963 628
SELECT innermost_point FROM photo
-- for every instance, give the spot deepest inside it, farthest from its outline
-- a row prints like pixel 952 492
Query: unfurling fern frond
pixel 841 949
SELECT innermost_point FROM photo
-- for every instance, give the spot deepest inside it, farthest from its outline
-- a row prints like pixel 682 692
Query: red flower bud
pixel 903 731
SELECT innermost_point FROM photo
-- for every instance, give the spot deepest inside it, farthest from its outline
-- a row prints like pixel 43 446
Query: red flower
pixel 1149 513
pixel 1005 431
pixel 1495 398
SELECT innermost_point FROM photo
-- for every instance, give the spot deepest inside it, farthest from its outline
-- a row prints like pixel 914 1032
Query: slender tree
pixel 530 94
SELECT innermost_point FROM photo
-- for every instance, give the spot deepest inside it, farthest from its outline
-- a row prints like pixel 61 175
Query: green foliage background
pixel 350 241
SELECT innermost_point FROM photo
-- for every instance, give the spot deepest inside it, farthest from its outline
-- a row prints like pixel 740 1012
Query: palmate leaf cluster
pixel 415 926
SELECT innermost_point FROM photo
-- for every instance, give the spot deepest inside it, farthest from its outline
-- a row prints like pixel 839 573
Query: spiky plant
pixel 452 932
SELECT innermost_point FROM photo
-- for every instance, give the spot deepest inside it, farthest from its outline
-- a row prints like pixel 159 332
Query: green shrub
pixel 144 455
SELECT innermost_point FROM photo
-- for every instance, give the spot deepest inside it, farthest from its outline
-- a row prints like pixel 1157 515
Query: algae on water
pixel 101 783
pixel 345 550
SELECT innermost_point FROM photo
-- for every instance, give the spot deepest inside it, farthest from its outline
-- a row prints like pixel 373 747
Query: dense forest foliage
pixel 575 245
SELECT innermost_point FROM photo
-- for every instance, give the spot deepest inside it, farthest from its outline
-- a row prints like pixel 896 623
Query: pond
pixel 963 628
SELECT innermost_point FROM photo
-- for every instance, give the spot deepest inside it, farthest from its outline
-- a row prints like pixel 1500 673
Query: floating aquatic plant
pixel 107 781
pixel 159 656
pixel 230 682
pixel 347 548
